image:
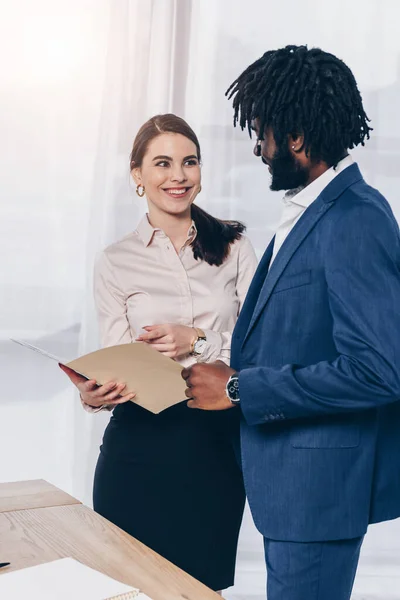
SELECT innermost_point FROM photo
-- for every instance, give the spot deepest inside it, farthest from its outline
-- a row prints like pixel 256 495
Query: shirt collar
pixel 306 195
pixel 147 232
pixel 192 234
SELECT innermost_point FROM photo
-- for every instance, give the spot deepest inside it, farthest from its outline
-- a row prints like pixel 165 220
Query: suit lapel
pixel 248 306
pixel 254 289
pixel 300 231
pixel 258 279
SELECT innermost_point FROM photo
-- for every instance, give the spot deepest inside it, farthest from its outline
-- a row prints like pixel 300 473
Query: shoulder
pixel 128 242
pixel 243 250
pixel 359 204
pixel 117 250
pixel 244 245
pixel 362 201
pixel 361 220
pixel 114 256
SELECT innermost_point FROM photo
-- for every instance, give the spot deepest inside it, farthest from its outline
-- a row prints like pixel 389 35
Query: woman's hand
pixel 172 340
pixel 94 395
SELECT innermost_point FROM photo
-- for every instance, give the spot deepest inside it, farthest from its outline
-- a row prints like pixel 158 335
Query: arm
pixel 176 341
pixel 219 344
pixel 111 306
pixel 114 329
pixel 363 279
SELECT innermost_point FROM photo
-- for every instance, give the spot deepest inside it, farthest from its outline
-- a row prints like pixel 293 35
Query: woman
pixel 171 480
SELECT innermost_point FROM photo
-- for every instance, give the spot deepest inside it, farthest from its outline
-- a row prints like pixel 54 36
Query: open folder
pixel 155 378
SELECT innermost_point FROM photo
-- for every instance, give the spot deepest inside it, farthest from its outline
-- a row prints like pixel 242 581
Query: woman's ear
pixel 136 175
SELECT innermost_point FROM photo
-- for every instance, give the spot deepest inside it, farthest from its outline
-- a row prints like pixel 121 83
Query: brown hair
pixel 214 236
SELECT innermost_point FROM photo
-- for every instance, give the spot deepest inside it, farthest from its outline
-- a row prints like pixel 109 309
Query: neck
pixel 175 227
pixel 316 171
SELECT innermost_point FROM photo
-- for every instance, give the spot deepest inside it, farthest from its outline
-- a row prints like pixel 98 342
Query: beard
pixel 287 173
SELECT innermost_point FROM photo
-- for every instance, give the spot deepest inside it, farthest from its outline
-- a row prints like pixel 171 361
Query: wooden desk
pixel 31 536
pixel 37 493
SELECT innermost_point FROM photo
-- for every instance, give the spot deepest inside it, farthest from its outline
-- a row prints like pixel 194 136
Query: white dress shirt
pixel 296 202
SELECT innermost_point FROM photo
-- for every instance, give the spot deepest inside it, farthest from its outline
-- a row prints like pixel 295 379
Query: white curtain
pixel 77 81
pixel 139 81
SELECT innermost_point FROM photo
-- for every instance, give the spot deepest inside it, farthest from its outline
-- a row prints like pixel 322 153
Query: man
pixel 316 350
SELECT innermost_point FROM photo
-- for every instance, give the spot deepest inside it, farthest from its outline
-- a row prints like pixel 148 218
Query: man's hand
pixel 206 384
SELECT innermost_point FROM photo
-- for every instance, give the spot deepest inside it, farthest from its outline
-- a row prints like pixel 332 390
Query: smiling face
pixel 170 173
pixel 288 169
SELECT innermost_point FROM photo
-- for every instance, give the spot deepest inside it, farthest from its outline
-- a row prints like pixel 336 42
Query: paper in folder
pixel 155 378
pixel 64 579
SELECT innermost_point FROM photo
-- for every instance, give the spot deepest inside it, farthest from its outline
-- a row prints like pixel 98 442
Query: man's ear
pixel 296 142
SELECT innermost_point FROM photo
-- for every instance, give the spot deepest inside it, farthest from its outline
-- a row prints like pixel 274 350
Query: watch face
pixel 200 346
pixel 233 388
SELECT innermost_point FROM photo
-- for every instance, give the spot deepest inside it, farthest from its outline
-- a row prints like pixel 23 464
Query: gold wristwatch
pixel 199 342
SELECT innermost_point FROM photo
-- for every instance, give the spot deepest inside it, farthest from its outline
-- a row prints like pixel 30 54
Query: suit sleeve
pixel 362 270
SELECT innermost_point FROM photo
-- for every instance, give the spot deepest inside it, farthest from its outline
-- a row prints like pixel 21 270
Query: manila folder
pixel 155 378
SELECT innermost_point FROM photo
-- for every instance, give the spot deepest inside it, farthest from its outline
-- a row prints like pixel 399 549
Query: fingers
pixel 148 337
pixel 88 386
pixel 94 390
pixel 170 350
pixel 122 399
pixel 197 405
pixel 154 332
pixel 185 374
pixel 105 394
pixel 108 394
pixel 95 395
pixel 189 374
pixel 111 397
pixel 163 347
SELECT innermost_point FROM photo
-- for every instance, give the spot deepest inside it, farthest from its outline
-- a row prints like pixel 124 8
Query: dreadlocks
pixel 295 91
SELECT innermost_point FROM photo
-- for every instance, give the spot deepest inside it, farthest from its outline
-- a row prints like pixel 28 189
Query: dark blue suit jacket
pixel 317 345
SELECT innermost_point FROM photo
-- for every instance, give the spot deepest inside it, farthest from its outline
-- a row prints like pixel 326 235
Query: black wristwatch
pixel 232 388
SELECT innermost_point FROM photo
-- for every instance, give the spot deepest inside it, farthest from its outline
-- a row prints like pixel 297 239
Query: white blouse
pixel 141 280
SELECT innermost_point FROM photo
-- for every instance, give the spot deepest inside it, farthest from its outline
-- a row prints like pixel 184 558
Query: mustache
pixel 265 161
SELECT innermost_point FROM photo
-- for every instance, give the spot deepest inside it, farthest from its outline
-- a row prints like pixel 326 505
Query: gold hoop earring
pixel 140 190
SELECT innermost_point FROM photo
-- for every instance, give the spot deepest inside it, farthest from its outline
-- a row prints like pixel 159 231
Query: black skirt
pixel 173 482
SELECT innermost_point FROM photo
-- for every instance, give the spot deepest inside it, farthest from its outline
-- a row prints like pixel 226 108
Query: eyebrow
pixel 163 157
